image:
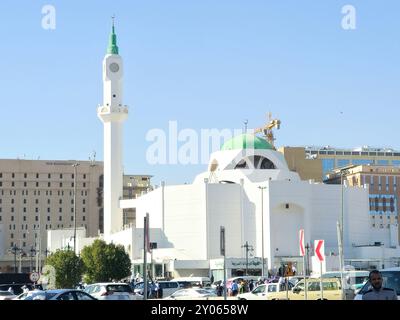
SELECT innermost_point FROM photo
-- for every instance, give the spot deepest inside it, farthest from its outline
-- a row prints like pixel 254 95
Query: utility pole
pixel 14 249
pixel 33 252
pixel 75 165
pixel 262 230
pixel 248 248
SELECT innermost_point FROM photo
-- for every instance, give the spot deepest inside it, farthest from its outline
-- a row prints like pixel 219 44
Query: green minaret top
pixel 112 43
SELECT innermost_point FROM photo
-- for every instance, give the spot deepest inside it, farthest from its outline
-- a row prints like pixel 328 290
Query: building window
pixel 24 244
pixel 24 183
pixel 25 175
pixel 36 218
pixel 60 218
pixel 376 204
pixel 37 175
pixel 24 218
pixel 84 201
pixel 12 218
pixel 84 176
pixel 12 235
pixel 24 209
pixel 24 201
pixel 48 201
pixel 60 175
pixel 36 209
pixel 49 184
pixel 12 184
pixel 84 184
pixel 24 235
pixel 48 210
pixel 37 184
pixel 84 218
pixel 72 184
pixel 36 201
pixel 59 209
pixel 384 204
pixel 60 184
pixel 83 209
pixel 49 176
pixel 72 218
pixel 48 218
pixel 72 176
pixel 13 175
pixel 72 209
pixel 0 218
pixel 12 209
pixel 12 201
pixel 60 201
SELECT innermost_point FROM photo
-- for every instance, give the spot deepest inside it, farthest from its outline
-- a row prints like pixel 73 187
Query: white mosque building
pixel 249 190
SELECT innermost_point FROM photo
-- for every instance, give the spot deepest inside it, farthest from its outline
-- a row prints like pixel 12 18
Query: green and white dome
pixel 246 141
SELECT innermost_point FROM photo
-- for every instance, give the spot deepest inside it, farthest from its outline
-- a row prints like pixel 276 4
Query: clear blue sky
pixel 205 64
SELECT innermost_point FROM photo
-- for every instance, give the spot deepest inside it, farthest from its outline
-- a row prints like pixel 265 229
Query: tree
pixel 68 268
pixel 105 262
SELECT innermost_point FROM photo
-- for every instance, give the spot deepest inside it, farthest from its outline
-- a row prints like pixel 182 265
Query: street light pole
pixel 262 229
pixel 341 234
pixel 75 165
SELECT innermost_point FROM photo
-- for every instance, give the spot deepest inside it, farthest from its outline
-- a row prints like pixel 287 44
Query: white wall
pixel 224 209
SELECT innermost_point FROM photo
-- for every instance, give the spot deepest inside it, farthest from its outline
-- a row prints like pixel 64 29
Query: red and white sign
pixel 319 250
pixel 301 243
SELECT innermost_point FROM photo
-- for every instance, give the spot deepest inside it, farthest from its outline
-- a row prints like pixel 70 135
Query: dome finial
pixel 112 44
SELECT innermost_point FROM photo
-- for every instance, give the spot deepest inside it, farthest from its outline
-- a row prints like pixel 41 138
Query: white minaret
pixel 112 113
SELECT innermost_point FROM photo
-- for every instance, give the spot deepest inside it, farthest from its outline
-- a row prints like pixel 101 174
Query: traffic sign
pixel 319 249
pixel 34 277
pixel 301 243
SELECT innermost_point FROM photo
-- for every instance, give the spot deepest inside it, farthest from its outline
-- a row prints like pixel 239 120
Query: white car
pixel 6 295
pixel 192 294
pixel 32 295
pixel 112 291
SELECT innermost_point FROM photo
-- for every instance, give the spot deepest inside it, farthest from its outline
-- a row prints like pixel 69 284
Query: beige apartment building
pixel 384 193
pixel 38 195
pixel 134 186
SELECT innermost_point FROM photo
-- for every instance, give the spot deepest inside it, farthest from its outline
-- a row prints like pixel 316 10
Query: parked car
pixel 64 294
pixel 262 291
pixel 331 290
pixel 112 291
pixel 192 294
pixel 30 295
pixel 391 279
pixel 6 295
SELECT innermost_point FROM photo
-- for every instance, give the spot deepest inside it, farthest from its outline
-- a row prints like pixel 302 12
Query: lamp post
pixel 340 231
pixel 75 165
pixel 262 229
